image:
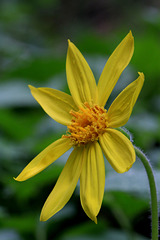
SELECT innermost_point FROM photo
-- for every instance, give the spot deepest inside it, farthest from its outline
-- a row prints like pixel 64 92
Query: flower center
pixel 87 124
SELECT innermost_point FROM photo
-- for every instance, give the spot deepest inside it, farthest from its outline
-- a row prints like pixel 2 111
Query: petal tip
pixel 70 44
pixel 42 219
pixel 95 220
pixel 31 87
pixel 141 74
pixel 43 216
pixel 130 34
pixel 126 169
pixel 141 77
pixel 130 38
pixel 69 41
pixel 17 179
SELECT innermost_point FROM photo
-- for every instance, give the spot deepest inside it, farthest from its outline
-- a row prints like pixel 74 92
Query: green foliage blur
pixel 33 46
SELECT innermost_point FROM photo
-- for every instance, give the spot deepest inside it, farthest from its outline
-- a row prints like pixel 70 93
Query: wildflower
pixel 91 129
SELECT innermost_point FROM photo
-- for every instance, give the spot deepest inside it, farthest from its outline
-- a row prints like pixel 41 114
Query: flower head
pixel 91 129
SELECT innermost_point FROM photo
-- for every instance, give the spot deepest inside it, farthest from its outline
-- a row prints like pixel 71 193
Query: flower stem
pixel 152 184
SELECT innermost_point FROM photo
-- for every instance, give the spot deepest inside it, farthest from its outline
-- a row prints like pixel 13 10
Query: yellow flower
pixel 90 129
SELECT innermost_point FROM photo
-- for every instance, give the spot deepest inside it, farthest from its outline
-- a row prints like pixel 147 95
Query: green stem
pixel 152 184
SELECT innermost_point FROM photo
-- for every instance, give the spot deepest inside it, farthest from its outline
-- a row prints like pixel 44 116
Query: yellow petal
pixel 55 103
pixel 92 181
pixel 65 185
pixel 118 150
pixel 45 158
pixel 121 109
pixel 117 62
pixel 80 78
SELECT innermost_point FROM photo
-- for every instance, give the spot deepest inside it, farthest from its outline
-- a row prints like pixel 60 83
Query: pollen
pixel 87 124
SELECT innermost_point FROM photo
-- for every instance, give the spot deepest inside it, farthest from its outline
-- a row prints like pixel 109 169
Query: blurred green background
pixel 33 46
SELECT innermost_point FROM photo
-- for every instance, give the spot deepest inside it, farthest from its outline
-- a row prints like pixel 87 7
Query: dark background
pixel 33 46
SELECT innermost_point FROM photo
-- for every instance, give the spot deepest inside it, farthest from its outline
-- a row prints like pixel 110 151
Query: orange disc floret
pixel 87 124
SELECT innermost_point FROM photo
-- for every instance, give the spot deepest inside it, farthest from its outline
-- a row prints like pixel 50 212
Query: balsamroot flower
pixel 91 129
